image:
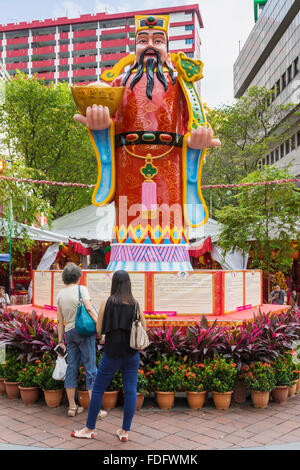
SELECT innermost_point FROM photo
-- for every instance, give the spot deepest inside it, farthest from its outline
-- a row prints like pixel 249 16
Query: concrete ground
pixel 240 427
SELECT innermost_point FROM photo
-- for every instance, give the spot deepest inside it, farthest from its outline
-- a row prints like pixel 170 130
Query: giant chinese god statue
pixel 150 151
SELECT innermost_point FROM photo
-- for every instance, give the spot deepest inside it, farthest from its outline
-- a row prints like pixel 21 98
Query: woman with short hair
pixel 79 347
pixel 115 320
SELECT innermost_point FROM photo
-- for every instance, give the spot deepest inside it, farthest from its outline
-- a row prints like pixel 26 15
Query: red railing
pixel 43 63
pixel 83 73
pixel 11 41
pixel 84 60
pixel 45 37
pixel 64 74
pixel 43 50
pixel 84 46
pixel 117 56
pixel 15 66
pixel 17 53
pixel 83 34
pixel 45 75
pixel 114 43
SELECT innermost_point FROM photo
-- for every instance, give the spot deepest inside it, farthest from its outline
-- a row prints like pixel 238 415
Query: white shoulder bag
pixel 138 336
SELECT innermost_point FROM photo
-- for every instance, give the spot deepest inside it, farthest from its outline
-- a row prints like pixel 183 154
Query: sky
pixel 227 24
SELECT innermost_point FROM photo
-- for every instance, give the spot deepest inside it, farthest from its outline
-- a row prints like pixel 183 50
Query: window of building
pixel 272 158
pixel 273 93
pixel 267 160
pixel 293 142
pixel 189 27
pixel 289 74
pixel 281 150
pixel 277 87
pixel 263 161
pixel 283 81
pixel 287 147
pixel 189 41
pixel 296 70
pixel 277 154
pixel 298 138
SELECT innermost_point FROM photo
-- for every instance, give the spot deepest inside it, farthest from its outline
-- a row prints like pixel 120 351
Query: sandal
pixel 75 411
pixel 90 435
pixel 122 437
pixel 102 414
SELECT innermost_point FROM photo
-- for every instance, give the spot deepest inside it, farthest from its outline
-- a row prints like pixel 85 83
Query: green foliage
pixel 28 375
pixel 283 368
pixel 221 374
pixel 12 367
pixel 142 383
pixel 45 142
pixel 267 215
pixel 194 379
pixel 166 375
pixel 260 376
pixel 44 373
pixel 244 129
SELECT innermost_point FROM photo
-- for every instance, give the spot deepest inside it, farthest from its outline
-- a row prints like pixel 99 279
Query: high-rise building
pixel 270 58
pixel 80 49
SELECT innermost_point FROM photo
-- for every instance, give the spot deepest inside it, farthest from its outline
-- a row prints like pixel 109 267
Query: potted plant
pixel 194 383
pixel 11 368
pixel 221 376
pixel 260 380
pixel 142 389
pixel 27 383
pixel 240 388
pixel 110 396
pixel 53 389
pixel 165 378
pixel 2 379
pixel 82 392
pixel 283 369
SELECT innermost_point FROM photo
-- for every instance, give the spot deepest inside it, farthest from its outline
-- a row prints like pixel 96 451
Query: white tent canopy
pixel 34 233
pixel 96 223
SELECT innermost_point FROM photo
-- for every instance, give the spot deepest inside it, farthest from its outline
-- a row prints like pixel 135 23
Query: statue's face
pixel 154 39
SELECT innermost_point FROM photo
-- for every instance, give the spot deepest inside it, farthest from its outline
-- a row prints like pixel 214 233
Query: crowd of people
pixel 113 325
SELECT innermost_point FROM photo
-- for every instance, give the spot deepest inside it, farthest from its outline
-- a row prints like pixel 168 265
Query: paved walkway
pixel 240 427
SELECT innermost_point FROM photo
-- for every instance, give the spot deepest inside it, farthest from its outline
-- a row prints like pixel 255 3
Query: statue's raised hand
pixel 97 118
pixel 202 138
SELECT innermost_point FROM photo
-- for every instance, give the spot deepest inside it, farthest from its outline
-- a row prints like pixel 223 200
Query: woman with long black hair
pixel 114 321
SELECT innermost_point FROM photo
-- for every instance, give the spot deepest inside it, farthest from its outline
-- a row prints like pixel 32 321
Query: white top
pixel 68 301
pixel 5 301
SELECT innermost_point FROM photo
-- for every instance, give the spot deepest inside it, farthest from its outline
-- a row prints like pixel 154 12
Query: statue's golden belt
pixel 150 137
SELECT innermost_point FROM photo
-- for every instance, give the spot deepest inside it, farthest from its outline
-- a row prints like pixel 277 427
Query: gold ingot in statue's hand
pixel 99 94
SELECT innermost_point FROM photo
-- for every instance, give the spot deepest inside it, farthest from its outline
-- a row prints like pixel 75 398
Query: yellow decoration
pixel 105 95
pixel 160 22
pixel 280 279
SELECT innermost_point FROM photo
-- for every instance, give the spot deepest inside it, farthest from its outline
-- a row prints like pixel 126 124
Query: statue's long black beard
pixel 150 66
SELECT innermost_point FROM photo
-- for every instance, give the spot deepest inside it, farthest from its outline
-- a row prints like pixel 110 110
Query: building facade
pixel 270 58
pixel 78 50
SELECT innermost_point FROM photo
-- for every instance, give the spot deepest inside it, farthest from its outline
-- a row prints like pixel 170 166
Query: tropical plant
pixel 44 373
pixel 260 376
pixel 194 378
pixel 166 375
pixel 29 335
pixel 28 375
pixel 12 367
pixel 283 369
pixel 221 374
pixel 169 341
pixel 142 382
pixel 203 341
pixel 81 382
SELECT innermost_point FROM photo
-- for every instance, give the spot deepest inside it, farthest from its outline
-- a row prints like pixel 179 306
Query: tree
pixel 40 133
pixel 264 219
pixel 247 130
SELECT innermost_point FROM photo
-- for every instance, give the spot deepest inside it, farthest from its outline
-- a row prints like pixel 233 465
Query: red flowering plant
pixel 260 376
pixel 81 385
pixel 166 374
pixel 28 375
pixel 194 378
pixel 283 369
pixel 221 374
pixel 142 382
pixel 44 371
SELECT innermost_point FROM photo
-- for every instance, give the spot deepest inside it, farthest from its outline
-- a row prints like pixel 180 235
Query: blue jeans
pixel 80 348
pixel 107 368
